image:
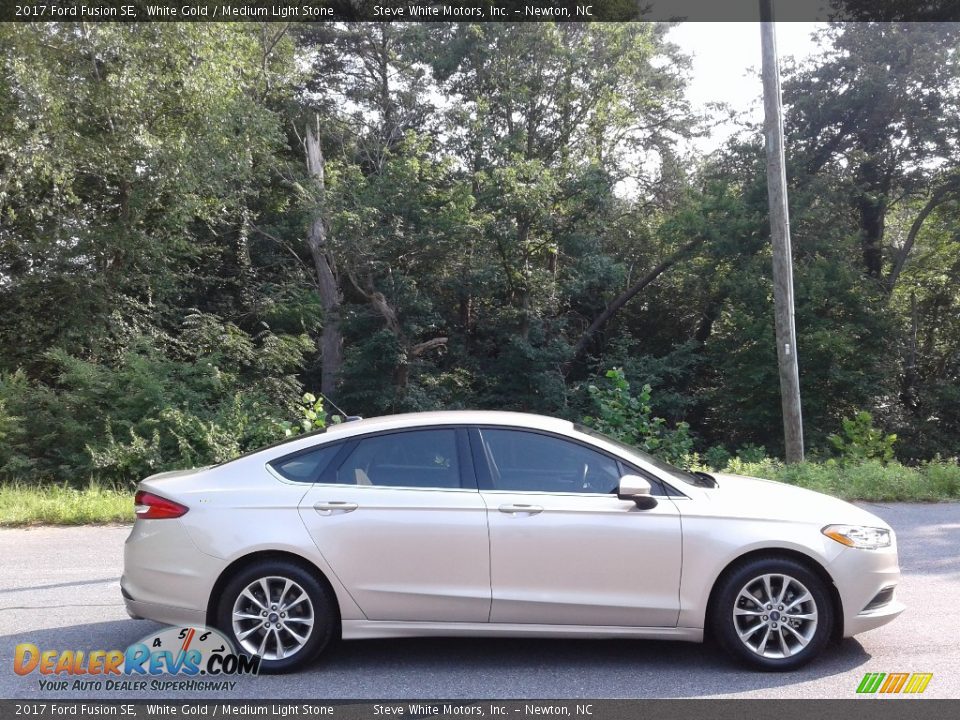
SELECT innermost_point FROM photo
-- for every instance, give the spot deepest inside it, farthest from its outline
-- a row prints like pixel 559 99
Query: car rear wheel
pixel 279 612
pixel 773 614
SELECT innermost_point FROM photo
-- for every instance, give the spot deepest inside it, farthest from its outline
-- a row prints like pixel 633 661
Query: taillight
pixel 153 507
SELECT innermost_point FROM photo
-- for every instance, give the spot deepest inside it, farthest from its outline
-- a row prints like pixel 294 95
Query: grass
pixel 22 504
pixel 870 480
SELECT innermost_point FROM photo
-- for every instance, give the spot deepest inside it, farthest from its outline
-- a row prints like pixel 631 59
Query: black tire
pixel 326 621
pixel 749 576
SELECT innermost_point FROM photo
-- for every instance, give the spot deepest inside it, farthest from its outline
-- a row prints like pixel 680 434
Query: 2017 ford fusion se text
pixel 499 524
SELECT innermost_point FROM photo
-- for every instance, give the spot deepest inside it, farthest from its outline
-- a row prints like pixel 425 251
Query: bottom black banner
pixel 873 708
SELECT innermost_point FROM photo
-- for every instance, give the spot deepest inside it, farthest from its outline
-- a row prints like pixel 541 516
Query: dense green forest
pixel 201 222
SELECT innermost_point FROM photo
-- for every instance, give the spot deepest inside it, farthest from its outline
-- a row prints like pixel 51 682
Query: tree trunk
pixel 705 327
pixel 245 273
pixel 466 269
pixel 871 205
pixel 622 299
pixel 331 338
pixel 908 392
pixel 408 351
pixel 947 190
pixel 523 299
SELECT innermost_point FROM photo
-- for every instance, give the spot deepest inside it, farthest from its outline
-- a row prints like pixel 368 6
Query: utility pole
pixel 780 236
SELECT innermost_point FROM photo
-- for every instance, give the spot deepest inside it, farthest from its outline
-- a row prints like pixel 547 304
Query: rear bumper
pixel 168 614
pixel 165 577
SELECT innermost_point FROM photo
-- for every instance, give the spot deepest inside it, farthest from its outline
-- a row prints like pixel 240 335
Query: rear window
pixel 306 466
pixel 416 458
pixel 271 446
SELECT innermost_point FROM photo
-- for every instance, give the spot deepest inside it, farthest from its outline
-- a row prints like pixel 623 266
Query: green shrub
pixel 716 457
pixel 14 460
pixel 812 476
pixel 314 417
pixel 885 482
pixel 943 477
pixel 860 440
pixel 8 425
pixel 628 417
pixel 748 452
pixel 156 404
pixel 133 459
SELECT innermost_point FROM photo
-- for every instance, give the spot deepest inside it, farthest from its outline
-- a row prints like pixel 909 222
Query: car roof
pixel 404 421
pixel 449 417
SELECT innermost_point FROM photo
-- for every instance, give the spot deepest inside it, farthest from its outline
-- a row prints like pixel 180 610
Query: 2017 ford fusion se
pixel 499 524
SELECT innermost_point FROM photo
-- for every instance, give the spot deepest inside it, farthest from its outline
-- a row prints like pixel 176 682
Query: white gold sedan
pixel 499 524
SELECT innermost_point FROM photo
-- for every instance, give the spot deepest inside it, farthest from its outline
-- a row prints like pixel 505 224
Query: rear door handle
pixel 521 509
pixel 334 506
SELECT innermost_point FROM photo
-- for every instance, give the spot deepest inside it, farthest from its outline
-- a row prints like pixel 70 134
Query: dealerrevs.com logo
pixel 894 683
pixel 191 652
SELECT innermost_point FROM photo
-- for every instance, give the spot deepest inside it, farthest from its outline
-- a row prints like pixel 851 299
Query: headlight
pixel 858 536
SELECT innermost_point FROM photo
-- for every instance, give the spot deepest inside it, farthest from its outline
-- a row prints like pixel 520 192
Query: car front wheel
pixel 773 614
pixel 277 611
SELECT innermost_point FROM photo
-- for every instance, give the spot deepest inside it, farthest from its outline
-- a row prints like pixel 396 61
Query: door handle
pixel 521 509
pixel 334 506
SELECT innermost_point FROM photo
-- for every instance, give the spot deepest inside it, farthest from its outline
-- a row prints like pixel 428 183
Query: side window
pixel 529 461
pixel 306 466
pixel 415 459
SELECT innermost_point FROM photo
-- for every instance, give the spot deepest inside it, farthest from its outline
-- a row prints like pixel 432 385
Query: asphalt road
pixel 59 589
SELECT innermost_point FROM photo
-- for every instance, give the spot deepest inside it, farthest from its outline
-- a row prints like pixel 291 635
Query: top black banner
pixel 475 10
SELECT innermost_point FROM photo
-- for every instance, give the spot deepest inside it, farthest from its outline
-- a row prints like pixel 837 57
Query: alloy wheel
pixel 775 616
pixel 273 617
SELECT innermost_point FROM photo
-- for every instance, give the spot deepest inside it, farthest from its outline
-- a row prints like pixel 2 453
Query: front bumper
pixel 859 575
pixel 869 620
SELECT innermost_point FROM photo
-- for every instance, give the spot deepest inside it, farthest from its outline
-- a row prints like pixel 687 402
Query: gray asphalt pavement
pixel 59 589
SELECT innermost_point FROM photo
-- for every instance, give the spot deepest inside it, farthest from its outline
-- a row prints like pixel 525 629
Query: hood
pixel 742 496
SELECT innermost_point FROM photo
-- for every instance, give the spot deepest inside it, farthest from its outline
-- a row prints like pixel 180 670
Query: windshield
pixel 645 458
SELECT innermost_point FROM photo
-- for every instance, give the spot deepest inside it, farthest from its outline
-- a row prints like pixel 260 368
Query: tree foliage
pixel 505 211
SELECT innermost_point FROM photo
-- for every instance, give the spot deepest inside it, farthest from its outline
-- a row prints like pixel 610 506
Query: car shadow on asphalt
pixel 565 668
pixel 457 668
pixel 115 635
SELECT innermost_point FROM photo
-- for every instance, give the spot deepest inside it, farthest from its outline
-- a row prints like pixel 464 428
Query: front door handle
pixel 334 506
pixel 521 509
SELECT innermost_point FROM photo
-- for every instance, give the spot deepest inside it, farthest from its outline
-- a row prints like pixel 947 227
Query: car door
pixel 395 522
pixel 563 548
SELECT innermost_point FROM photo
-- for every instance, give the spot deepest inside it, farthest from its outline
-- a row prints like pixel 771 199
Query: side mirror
pixel 637 489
